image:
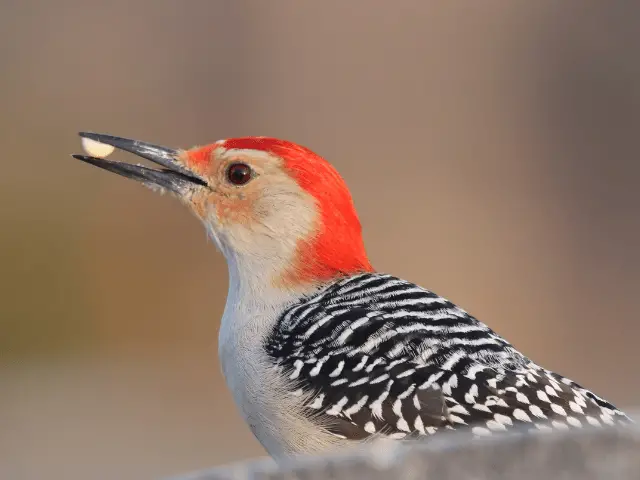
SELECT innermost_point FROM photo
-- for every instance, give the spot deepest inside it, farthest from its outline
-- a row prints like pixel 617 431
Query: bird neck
pixel 252 310
pixel 256 295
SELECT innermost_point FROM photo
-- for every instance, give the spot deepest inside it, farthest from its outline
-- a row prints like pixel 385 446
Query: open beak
pixel 174 177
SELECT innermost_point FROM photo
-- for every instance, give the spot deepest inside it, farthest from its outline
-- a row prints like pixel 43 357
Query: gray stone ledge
pixel 592 453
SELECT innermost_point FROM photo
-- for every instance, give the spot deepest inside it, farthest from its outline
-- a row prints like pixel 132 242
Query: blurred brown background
pixel 491 148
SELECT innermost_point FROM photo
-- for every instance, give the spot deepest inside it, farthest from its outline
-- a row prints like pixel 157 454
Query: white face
pixel 254 211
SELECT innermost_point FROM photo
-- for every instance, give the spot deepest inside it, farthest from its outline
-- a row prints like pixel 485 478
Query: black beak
pixel 174 177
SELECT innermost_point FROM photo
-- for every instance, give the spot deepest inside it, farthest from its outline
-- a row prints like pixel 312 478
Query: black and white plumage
pixel 376 355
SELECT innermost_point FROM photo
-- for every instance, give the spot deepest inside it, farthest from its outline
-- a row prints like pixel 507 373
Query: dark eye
pixel 239 173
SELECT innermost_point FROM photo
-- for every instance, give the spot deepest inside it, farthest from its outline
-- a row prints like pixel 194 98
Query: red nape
pixel 338 247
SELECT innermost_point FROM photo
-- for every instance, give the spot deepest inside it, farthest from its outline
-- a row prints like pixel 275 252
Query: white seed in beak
pixel 96 149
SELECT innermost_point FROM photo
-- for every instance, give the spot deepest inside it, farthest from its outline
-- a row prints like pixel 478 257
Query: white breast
pixel 262 394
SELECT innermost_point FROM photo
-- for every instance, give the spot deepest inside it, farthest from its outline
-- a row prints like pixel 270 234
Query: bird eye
pixel 239 173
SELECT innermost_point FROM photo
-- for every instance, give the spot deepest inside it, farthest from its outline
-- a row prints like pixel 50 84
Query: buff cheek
pixel 235 210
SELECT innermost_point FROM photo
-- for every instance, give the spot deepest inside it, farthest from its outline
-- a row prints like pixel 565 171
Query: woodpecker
pixel 319 350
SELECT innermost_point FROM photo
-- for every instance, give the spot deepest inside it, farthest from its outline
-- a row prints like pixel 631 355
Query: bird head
pixel 280 213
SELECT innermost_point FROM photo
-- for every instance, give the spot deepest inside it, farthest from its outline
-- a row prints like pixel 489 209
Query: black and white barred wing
pixel 403 362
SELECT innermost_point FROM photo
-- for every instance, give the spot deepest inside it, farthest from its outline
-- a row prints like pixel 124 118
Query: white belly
pixel 265 400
